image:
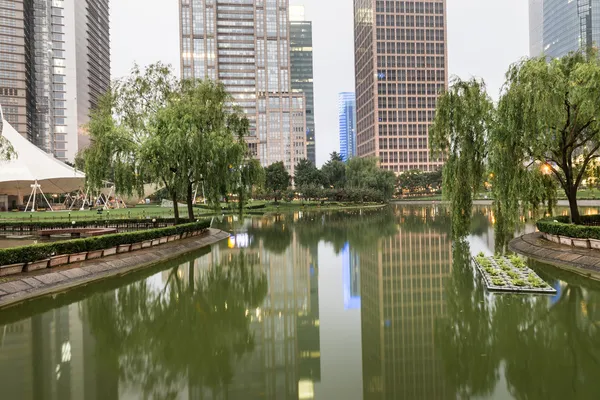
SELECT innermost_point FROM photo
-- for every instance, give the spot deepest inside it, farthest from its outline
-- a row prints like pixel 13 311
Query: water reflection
pixel 243 320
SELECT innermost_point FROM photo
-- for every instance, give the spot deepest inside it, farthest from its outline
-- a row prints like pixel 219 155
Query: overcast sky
pixel 484 38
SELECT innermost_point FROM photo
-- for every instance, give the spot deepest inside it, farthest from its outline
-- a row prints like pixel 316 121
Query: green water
pixel 350 305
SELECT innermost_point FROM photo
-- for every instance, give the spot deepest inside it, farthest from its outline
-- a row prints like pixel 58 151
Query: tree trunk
pixel 175 206
pixel 241 200
pixel 572 197
pixel 190 200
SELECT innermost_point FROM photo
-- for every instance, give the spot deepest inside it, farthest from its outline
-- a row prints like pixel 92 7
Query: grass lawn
pixel 152 211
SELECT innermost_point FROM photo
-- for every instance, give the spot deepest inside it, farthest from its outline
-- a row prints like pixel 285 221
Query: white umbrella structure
pixel 33 170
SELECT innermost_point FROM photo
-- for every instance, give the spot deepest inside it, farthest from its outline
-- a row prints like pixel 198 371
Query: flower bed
pixel 510 274
pixel 16 259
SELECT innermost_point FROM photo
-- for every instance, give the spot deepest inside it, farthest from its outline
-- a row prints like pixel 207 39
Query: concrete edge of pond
pixel 585 262
pixel 52 281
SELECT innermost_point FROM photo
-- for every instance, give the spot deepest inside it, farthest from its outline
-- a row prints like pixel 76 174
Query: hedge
pixel 37 252
pixel 85 223
pixel 561 226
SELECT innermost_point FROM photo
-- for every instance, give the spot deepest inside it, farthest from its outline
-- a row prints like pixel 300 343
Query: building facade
pixel 347 127
pixel 246 46
pixel 301 57
pixel 55 64
pixel 536 27
pixel 563 26
pixel 401 67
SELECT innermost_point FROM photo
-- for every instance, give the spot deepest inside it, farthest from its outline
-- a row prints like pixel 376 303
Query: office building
pixel 301 57
pixel 246 46
pixel 402 300
pixel 563 26
pixel 536 27
pixel 55 63
pixel 347 120
pixel 401 67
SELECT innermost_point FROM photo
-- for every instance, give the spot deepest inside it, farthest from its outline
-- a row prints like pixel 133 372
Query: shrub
pixel 80 224
pixel 561 226
pixel 498 281
pixel 36 252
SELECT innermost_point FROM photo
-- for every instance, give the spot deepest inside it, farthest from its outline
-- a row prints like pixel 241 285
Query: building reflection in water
pixel 351 276
pixel 54 355
pixel 402 296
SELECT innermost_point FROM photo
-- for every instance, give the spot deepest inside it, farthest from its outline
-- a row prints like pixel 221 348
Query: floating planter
pixel 510 274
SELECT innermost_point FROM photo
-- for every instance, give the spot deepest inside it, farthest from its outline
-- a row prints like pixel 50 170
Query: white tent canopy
pixel 32 165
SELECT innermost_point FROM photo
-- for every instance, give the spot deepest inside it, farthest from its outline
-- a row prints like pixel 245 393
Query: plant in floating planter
pixel 519 282
pixel 512 274
pixel 491 271
pixel 535 281
pixel 497 257
pixel 517 262
pixel 480 255
pixel 498 281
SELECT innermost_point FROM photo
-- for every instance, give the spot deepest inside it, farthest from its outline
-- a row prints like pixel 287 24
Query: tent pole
pixel 45 198
pixel 34 189
pixel 84 200
pixel 29 199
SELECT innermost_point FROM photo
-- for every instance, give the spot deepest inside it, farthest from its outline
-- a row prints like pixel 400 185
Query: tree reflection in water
pixel 194 329
pixel 546 348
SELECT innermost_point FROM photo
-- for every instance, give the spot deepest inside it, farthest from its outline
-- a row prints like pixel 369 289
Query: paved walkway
pixel 30 285
pixel 582 261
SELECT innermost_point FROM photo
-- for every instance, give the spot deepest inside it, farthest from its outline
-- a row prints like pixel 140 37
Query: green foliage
pixel 364 173
pixel 35 225
pixel 416 181
pixel 512 274
pixel 334 172
pixel 518 282
pixel 548 114
pixel 7 152
pixel 277 179
pixel 306 174
pixel 498 281
pixel 535 281
pixel 481 254
pixel 561 226
pixel 36 252
pixel 464 116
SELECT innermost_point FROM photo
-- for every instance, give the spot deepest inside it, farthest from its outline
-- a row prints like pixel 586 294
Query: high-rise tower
pixel 347 122
pixel 246 45
pixel 558 27
pixel 302 71
pixel 401 67
pixel 54 65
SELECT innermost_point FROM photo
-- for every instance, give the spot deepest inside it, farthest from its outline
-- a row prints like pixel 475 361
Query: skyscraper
pixel 302 71
pixel 347 120
pixel 401 66
pixel 563 26
pixel 246 45
pixel 55 63
pixel 536 27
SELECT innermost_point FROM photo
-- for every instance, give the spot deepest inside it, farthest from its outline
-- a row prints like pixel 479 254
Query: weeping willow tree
pixel 6 150
pixel 120 126
pixel 549 128
pixel 195 137
pixel 459 133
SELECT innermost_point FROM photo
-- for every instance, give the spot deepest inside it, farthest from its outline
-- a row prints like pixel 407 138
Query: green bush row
pixel 36 252
pixel 81 224
pixel 561 226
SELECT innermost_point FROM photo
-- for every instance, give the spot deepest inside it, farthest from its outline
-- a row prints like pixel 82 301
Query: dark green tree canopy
pixel 549 116
pixel 306 173
pixel 334 172
pixel 277 179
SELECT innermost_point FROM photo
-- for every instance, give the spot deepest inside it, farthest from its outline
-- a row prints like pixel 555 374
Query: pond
pixel 340 305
